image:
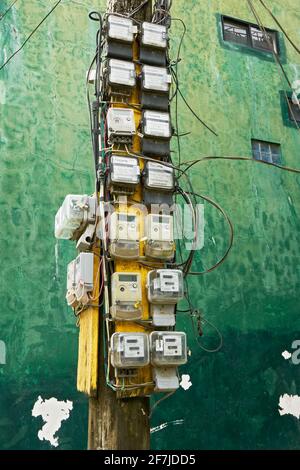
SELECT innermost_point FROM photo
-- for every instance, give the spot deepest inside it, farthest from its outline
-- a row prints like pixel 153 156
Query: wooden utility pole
pixel 119 424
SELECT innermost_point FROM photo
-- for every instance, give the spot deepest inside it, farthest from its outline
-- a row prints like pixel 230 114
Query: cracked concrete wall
pixel 253 299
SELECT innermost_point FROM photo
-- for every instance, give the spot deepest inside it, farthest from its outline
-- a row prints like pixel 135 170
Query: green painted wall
pixel 253 298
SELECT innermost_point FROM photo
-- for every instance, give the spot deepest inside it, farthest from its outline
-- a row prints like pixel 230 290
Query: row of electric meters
pixel 164 350
pixel 165 288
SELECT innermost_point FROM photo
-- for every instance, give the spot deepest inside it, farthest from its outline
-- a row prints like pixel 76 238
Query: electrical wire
pixel 280 26
pixel 2 15
pixel 277 60
pixel 158 402
pixel 30 35
pixel 190 164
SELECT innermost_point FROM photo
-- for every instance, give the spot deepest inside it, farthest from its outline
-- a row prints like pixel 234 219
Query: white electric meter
pixel 74 214
pixel 165 286
pixel 154 35
pixel 124 235
pixel 121 73
pixel 120 125
pixel 156 124
pixel 168 348
pixel 126 296
pixel 129 350
pixel 124 174
pixel 159 177
pixel 121 29
pixel 155 78
pixel 71 284
pixel 84 275
pixel 159 236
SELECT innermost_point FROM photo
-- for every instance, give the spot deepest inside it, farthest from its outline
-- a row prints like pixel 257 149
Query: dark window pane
pixel 262 40
pixel 294 111
pixel 235 32
pixel 266 151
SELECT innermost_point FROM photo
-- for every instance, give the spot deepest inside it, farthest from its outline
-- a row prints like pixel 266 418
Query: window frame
pixel 250 44
pixel 270 144
pixel 289 111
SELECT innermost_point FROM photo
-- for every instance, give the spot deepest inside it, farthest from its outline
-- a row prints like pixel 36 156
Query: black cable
pixel 2 15
pixel 277 59
pixel 231 237
pixel 30 35
pixel 276 165
pixel 281 28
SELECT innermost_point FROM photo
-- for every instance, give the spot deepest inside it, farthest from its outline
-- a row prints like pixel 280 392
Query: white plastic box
pixel 129 350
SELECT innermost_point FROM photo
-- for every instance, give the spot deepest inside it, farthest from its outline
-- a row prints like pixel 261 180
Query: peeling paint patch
pixel 53 413
pixel 185 382
pixel 176 422
pixel 286 355
pixel 289 405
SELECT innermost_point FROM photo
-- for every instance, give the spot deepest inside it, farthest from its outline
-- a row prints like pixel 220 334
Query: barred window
pixel 266 151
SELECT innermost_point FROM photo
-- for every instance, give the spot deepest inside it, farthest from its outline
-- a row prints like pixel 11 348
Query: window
pixel 266 151
pixel 248 34
pixel 294 111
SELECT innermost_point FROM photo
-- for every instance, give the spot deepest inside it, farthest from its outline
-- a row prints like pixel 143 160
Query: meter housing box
pixel 157 132
pixel 165 286
pixel 168 348
pixel 120 34
pixel 71 284
pixel 124 235
pixel 124 175
pixel 74 215
pixel 126 296
pixel 159 237
pixel 155 86
pixel 121 77
pixel 84 277
pixel 158 184
pixel 120 125
pixel 166 379
pixel 129 350
pixel 153 44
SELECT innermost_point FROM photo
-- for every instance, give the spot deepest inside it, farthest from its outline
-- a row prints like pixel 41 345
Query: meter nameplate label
pixel 172 346
pixel 133 347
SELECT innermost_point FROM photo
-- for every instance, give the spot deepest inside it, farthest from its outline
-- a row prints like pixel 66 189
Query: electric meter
pixel 159 236
pixel 157 132
pixel 159 177
pixel 155 79
pixel 154 35
pixel 154 42
pixel 157 124
pixel 84 275
pixel 155 88
pixel 121 125
pixel 129 350
pixel 124 174
pixel 165 286
pixel 120 37
pixel 71 284
pixel 126 296
pixel 121 73
pixel 73 216
pixel 120 28
pixel 168 348
pixel 124 236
